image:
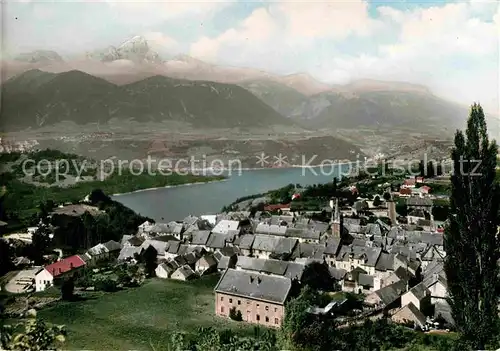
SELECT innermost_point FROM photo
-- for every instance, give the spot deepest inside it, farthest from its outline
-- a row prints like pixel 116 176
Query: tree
pixel 39 244
pixel 67 289
pixel 376 201
pixel 149 257
pixel 471 240
pixel 235 314
pixel 317 276
pixel 31 334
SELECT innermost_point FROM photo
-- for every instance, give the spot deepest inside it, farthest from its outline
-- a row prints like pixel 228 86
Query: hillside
pixel 397 109
pixel 282 98
pixel 364 104
pixel 35 98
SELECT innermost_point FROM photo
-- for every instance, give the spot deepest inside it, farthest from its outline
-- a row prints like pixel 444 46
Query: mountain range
pixel 132 81
pixel 36 98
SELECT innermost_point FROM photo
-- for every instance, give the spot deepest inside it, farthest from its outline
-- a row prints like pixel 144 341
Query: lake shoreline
pixel 206 172
pixel 170 186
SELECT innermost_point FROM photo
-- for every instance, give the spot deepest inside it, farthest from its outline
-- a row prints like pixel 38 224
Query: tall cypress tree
pixel 471 240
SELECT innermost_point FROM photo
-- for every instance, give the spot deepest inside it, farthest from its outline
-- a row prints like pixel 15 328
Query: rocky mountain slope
pixel 136 49
pixel 369 104
pixel 37 98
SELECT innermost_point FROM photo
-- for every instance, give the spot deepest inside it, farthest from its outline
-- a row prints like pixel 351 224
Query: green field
pixel 132 319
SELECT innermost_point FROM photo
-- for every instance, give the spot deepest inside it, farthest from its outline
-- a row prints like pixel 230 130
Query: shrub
pixel 106 284
pixel 235 315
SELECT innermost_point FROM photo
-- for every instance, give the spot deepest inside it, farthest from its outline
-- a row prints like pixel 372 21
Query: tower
pixel 335 222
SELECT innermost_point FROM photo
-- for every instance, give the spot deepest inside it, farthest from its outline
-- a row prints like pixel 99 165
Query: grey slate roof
pixel 216 241
pixel 160 246
pixel 418 201
pixel 285 245
pixel 355 221
pixel 262 265
pixel 311 250
pixel 332 246
pixel 391 292
pixel 246 241
pixel 415 312
pixel 183 249
pixel 317 226
pixel 365 280
pixel 129 252
pixel 223 262
pixel 173 247
pixel 371 253
pixel 112 246
pixel 200 237
pixel 190 220
pixel 420 291
pixel 270 229
pixel 223 226
pixel 303 233
pixel 294 270
pixel 135 241
pixel 255 286
pixel 185 271
pixel 337 273
pixel 385 262
pixel 265 243
pixel 229 251
pixel 209 260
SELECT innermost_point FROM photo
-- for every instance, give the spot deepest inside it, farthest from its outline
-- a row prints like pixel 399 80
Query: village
pixel 381 264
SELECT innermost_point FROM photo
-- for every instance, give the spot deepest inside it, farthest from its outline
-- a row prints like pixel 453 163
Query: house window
pixel 267 319
pixel 222 298
pixel 222 309
pixel 275 309
pixel 230 300
pixel 248 302
pixel 239 302
pixel 276 321
pixel 257 317
pixel 267 308
pixel 258 305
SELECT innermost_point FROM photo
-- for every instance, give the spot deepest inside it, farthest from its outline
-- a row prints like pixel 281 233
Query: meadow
pixel 141 318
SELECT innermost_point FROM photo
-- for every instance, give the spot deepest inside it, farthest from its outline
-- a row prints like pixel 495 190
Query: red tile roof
pixel 409 182
pixel 65 265
pixel 405 191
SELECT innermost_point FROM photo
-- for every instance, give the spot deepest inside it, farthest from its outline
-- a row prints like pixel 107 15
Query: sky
pixel 450 46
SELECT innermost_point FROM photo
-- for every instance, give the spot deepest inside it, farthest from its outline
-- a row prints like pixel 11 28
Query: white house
pixel 225 226
pixel 183 273
pixel 145 227
pixel 419 295
pixel 205 264
pixel 438 288
pixel 45 278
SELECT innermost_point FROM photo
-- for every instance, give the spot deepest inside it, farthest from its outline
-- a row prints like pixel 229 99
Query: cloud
pixel 453 48
pixel 257 30
pixel 335 19
pixel 152 12
pixel 161 42
pixel 289 26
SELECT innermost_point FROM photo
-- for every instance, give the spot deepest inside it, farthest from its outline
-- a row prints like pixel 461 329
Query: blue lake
pixel 176 203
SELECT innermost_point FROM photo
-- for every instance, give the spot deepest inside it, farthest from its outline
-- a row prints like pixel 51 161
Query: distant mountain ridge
pixel 300 97
pixel 36 98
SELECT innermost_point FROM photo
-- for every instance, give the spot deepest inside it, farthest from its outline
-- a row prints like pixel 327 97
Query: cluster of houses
pixel 64 267
pixel 398 268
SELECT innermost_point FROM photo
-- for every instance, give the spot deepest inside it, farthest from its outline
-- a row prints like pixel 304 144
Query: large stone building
pixel 259 297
